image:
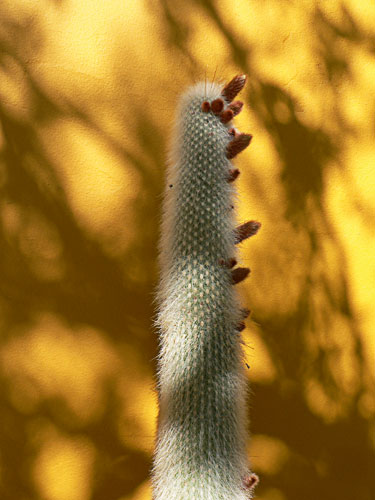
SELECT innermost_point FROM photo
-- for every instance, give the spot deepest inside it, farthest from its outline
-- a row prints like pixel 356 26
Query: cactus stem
pixel 226 116
pixel 200 451
pixel 233 174
pixel 238 144
pixel 239 274
pixel 246 230
pixel 232 88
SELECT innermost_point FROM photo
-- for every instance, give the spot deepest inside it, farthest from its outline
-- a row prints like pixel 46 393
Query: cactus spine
pixel 201 443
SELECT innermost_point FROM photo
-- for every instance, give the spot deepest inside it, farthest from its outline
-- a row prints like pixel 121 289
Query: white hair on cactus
pixel 201 444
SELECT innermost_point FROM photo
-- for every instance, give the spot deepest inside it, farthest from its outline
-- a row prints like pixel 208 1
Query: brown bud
pixel 217 106
pixel 233 174
pixel 245 312
pixel 228 263
pixel 246 230
pixel 232 88
pixel 238 144
pixel 250 481
pixel 236 107
pixel 239 274
pixel 241 326
pixel 206 106
pixel 226 116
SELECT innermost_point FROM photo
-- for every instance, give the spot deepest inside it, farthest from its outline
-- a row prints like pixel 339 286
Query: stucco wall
pixel 88 90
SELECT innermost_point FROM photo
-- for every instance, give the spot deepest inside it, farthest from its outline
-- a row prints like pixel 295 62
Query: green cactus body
pixel 202 428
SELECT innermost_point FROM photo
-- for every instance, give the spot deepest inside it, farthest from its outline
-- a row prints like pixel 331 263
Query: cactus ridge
pixel 201 443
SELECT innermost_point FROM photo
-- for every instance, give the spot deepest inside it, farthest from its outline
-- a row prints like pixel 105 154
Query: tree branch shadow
pixel 95 290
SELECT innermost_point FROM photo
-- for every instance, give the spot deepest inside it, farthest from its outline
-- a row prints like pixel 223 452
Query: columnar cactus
pixel 202 428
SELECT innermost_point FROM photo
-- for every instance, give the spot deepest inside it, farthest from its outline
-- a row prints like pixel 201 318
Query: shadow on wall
pixel 72 315
pixel 96 308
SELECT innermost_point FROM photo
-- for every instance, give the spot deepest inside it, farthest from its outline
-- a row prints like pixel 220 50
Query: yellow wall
pixel 87 96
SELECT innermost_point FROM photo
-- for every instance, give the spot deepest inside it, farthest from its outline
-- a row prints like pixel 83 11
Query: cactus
pixel 202 428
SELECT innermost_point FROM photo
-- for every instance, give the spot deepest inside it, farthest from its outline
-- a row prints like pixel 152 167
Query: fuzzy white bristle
pixel 202 429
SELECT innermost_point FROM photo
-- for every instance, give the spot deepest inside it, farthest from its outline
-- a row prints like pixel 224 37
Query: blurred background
pixel 88 91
